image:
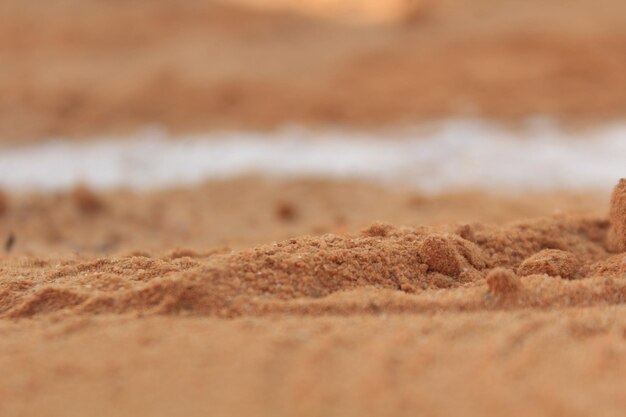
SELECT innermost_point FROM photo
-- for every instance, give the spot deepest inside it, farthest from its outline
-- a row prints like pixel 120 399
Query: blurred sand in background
pixel 80 68
pixel 350 11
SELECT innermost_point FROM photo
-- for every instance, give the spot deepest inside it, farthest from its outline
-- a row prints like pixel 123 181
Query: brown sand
pixel 326 274
pixel 486 317
pixel 617 234
pixel 517 363
pixel 86 67
pixel 4 202
pixel 314 298
pixel 249 211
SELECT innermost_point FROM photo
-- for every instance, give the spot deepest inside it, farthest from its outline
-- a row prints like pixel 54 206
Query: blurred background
pixel 79 68
pixel 162 123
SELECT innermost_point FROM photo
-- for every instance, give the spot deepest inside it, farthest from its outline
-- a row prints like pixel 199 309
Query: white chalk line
pixel 452 154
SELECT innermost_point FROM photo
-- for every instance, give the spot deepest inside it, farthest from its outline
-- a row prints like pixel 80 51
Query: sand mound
pixel 553 262
pixel 617 234
pixel 314 274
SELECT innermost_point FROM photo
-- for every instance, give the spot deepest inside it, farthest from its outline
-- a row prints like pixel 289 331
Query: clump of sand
pixel 286 211
pixel 503 283
pixel 450 254
pixel 553 262
pixel 616 240
pixel 4 203
pixel 86 200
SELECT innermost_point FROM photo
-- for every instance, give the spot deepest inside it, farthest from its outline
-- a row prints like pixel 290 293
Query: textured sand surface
pixel 251 296
pixel 101 315
pixel 380 269
pixel 544 363
pixel 82 67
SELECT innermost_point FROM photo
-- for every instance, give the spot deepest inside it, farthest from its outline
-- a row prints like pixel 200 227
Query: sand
pixel 616 240
pixel 559 362
pixel 345 273
pixel 248 211
pixel 280 296
pixel 296 303
pixel 79 68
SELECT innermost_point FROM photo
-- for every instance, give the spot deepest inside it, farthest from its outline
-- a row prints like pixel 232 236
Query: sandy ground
pixel 258 297
pixel 249 211
pixel 73 67
pixel 560 362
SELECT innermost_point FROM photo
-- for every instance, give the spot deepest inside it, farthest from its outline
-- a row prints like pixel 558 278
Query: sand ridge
pixel 327 257
pixel 297 274
pixel 617 233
